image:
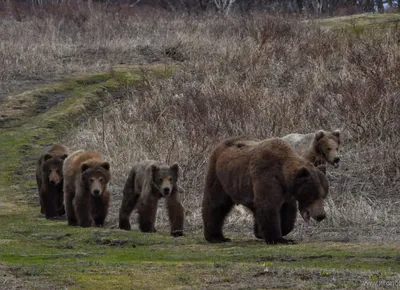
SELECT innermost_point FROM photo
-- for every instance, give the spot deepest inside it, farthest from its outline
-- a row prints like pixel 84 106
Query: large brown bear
pixel 319 147
pixel 148 181
pixel 87 199
pixel 49 180
pixel 267 177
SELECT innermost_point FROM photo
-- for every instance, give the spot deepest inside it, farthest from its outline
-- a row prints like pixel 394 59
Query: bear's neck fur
pixel 314 154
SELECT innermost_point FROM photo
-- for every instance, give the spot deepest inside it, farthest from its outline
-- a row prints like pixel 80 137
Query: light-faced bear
pixel 148 181
pixel 87 199
pixel 49 179
pixel 269 178
pixel 319 148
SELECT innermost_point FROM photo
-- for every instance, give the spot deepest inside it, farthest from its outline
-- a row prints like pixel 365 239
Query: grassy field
pixel 369 20
pixel 174 105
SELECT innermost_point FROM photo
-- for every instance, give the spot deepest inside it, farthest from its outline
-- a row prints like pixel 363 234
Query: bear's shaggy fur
pixel 319 147
pixel 267 177
pixel 87 199
pixel 148 181
pixel 49 179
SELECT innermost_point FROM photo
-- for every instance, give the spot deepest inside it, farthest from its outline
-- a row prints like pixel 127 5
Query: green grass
pixel 362 22
pixel 103 257
pixel 42 252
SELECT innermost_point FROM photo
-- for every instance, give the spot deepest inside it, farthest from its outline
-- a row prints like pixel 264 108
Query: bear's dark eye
pixel 329 148
pixel 161 180
pixel 91 179
pixel 101 179
pixel 170 179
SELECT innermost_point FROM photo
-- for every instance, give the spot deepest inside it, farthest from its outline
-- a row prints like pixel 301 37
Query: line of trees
pixel 319 7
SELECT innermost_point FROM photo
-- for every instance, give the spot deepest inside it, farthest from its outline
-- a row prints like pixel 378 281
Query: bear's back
pixel 277 152
pixel 299 142
pixel 58 149
pixel 74 161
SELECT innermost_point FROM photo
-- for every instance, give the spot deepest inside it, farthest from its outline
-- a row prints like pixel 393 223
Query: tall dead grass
pixel 263 75
pixel 41 44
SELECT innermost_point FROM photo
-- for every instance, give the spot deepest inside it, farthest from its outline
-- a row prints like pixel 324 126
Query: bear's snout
pixel 54 177
pixel 96 192
pixel 336 161
pixel 54 181
pixel 316 211
pixel 166 191
pixel 320 217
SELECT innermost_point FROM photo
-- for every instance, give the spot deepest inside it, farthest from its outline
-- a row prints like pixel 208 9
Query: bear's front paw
pixel 51 217
pixel 218 240
pixel 125 225
pixel 280 241
pixel 72 222
pixel 86 223
pixel 177 233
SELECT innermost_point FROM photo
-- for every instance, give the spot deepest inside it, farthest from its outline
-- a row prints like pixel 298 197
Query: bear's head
pixel 52 168
pixel 327 144
pixel 95 177
pixel 165 178
pixel 310 190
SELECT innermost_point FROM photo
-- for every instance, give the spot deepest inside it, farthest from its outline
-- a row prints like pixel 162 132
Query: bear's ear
pixel 175 169
pixel 319 134
pixel 106 166
pixel 302 173
pixel 154 168
pixel 47 157
pixel 84 167
pixel 336 133
pixel 64 156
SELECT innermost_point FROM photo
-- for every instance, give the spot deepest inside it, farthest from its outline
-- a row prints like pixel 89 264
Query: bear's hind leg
pixel 129 201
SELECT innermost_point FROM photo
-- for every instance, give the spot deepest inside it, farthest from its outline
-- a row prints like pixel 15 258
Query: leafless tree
pixel 223 6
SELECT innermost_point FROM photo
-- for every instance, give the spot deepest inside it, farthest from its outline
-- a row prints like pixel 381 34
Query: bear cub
pixel 49 179
pixel 87 198
pixel 148 181
pixel 319 148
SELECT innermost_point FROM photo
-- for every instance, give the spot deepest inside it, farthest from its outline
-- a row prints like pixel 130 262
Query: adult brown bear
pixel 49 179
pixel 148 181
pixel 87 198
pixel 267 177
